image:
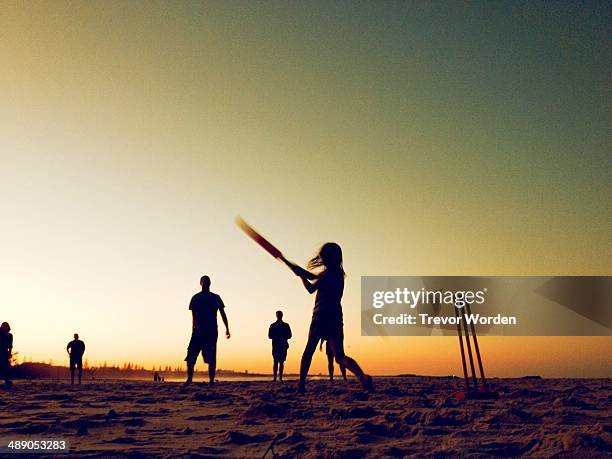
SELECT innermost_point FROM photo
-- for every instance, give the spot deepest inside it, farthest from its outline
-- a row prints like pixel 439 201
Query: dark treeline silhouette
pixel 41 370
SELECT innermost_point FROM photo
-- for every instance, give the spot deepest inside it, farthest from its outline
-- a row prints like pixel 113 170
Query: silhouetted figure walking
pixel 6 353
pixel 204 307
pixel 327 313
pixel 76 349
pixel 330 361
pixel 280 334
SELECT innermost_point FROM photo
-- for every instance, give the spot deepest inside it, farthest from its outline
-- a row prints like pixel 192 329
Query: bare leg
pixel 311 347
pixel 212 368
pixel 5 369
pixel 343 371
pixel 337 345
pixel 281 368
pixel 71 372
pixel 189 373
pixel 80 368
pixel 330 366
pixel 275 369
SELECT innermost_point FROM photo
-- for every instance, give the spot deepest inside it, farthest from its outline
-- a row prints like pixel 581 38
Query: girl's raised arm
pixel 298 270
pixel 310 286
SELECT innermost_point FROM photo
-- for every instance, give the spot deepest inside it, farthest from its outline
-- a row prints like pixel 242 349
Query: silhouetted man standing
pixel 204 307
pixel 76 349
pixel 6 352
pixel 280 334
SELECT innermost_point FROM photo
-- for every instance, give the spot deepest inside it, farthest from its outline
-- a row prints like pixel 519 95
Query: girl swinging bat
pixel 327 314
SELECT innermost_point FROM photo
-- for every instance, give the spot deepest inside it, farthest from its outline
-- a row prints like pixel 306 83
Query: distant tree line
pixel 42 370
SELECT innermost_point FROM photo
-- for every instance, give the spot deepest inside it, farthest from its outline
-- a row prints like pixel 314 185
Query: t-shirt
pixel 77 348
pixel 330 287
pixel 279 333
pixel 205 306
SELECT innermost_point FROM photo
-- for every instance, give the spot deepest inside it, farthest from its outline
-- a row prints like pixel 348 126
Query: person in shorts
pixel 76 349
pixel 204 307
pixel 280 334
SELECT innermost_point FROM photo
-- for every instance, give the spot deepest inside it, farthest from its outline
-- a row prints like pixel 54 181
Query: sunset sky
pixel 427 138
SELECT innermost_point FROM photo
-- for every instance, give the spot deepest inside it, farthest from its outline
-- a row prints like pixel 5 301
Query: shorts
pixel 326 326
pixel 76 363
pixel 206 344
pixel 279 354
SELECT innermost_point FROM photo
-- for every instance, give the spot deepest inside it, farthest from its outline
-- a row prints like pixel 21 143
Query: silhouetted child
pixel 330 361
pixel 280 334
pixel 6 353
pixel 327 313
pixel 76 349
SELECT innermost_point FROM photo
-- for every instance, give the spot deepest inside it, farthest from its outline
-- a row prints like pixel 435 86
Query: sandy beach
pixel 409 416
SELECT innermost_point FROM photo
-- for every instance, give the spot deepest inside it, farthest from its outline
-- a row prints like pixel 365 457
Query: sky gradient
pixel 426 138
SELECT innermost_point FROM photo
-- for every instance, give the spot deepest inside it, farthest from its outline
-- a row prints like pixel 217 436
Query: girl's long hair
pixel 329 257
